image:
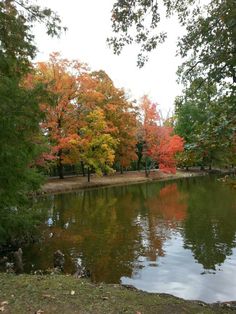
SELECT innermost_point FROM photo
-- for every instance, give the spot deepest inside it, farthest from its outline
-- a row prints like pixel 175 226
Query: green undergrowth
pixel 67 294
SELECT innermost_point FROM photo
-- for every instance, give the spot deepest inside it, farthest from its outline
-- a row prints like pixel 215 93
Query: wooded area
pixel 59 113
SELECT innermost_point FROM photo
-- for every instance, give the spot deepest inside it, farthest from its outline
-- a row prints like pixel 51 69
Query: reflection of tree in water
pixel 99 226
pixel 111 228
pixel 166 209
pixel 107 228
pixel 211 223
pixel 172 207
pixel 111 240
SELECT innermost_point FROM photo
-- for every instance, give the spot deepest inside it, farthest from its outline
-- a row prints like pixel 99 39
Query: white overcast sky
pixel 89 25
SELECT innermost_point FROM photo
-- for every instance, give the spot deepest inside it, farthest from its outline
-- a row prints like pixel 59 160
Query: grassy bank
pixel 66 294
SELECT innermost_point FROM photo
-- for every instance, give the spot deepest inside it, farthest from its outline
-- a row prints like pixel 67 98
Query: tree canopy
pixel 19 111
pixel 208 46
pixel 159 143
pixel 205 118
pixel 59 112
pixel 205 112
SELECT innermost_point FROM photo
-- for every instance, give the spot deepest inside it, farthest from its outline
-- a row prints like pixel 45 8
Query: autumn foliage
pixel 88 121
pixel 159 141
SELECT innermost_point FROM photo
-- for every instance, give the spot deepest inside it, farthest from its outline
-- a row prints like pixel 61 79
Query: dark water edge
pixel 175 237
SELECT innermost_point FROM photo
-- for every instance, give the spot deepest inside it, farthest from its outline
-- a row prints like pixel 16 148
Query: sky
pixel 89 25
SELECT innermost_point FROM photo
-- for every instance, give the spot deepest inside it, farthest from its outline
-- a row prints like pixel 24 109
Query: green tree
pixel 205 118
pixel 19 111
pixel 209 44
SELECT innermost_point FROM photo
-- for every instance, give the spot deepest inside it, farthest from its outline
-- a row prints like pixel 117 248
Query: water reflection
pixel 166 208
pixel 165 237
pixel 210 227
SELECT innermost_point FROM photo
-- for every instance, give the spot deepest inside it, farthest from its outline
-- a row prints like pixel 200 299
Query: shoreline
pixel 73 184
pixel 67 294
pixel 64 293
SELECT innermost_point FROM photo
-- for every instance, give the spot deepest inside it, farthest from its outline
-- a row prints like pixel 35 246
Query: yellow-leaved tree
pixel 97 146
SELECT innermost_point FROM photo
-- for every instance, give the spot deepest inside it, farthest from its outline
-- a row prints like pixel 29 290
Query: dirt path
pixel 57 186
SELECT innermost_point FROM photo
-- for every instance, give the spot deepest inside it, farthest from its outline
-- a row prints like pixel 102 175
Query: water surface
pixel 176 237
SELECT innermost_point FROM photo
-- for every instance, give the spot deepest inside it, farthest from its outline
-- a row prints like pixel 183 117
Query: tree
pixel 209 44
pixel 97 146
pixel 61 124
pixel 98 91
pixel 169 145
pixel 126 152
pixel 209 51
pixel 160 144
pixel 19 111
pixel 149 131
pixel 206 120
pixel 75 96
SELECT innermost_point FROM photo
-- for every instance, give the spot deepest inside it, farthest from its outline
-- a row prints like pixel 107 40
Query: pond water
pixel 174 237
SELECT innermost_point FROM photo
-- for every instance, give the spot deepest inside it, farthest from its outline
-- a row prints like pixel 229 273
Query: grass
pixel 66 294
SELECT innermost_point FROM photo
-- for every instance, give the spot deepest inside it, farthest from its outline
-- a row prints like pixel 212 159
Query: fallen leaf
pixel 72 292
pixel 105 298
pixel 4 303
pixel 39 312
pixel 48 296
pixel 2 308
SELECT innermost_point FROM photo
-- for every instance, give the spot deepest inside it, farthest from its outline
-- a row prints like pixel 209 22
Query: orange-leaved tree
pixel 159 142
pixel 148 132
pixel 166 149
pixel 60 126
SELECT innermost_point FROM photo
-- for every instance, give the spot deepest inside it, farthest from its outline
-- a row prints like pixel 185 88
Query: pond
pixel 175 237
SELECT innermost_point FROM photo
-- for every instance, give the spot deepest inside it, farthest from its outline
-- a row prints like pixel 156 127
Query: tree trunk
pixel 60 170
pixel 59 154
pixel 121 169
pixel 139 162
pixel 60 165
pixel 146 169
pixel 82 167
pixel 88 174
